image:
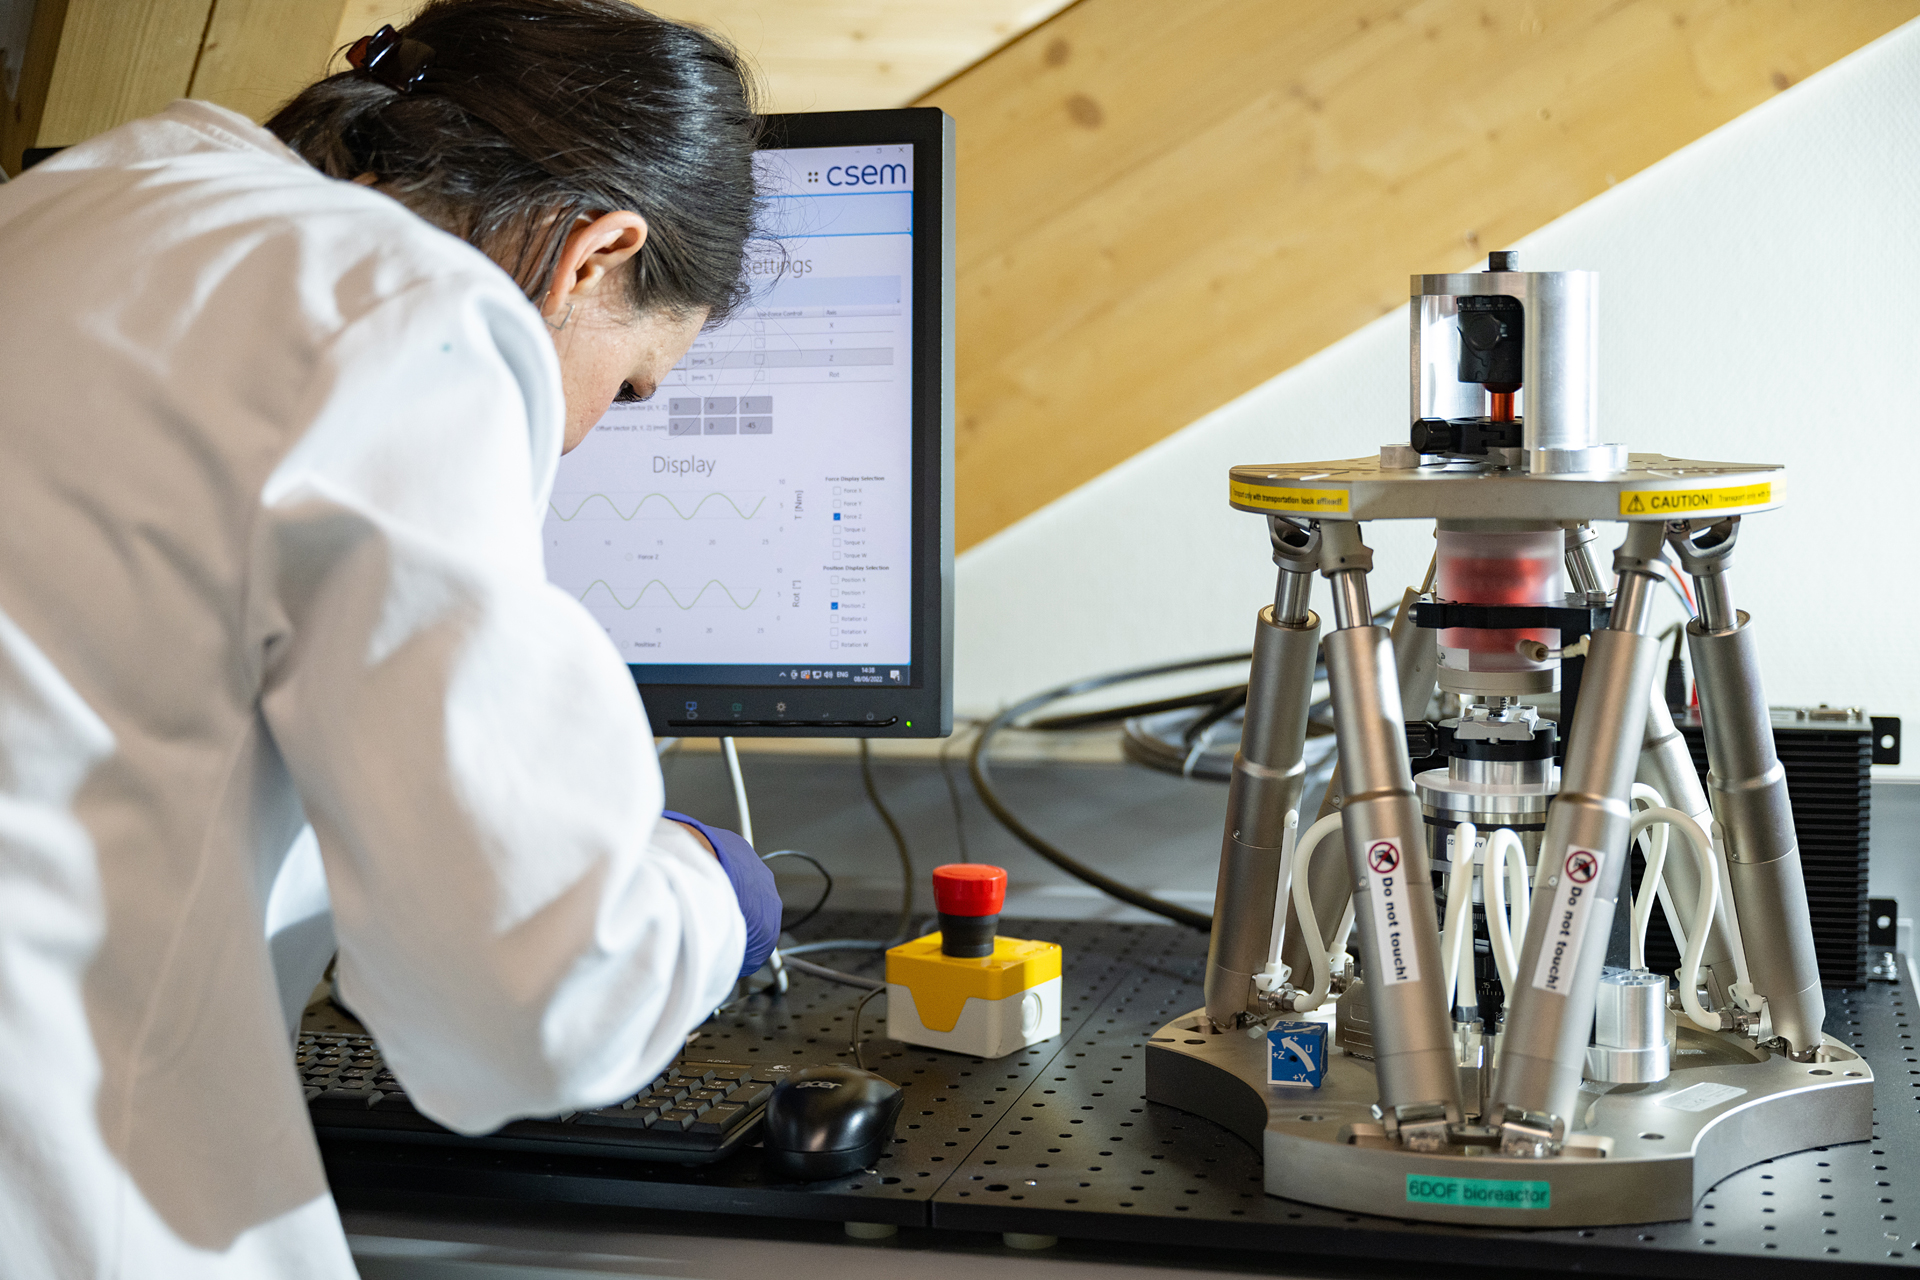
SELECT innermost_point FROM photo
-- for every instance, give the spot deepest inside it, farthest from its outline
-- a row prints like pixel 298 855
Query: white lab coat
pixel 273 455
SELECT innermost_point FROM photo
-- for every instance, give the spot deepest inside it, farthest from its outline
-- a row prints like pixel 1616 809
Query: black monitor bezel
pixel 925 708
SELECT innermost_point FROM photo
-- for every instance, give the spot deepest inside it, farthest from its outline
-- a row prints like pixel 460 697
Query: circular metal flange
pixel 1650 1065
pixel 1483 803
pixel 1653 487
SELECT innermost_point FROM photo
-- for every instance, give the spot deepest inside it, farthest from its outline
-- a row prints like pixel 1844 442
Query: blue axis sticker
pixel 1297 1054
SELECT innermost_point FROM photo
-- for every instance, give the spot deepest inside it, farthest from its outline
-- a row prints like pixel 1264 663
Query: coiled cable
pixel 982 777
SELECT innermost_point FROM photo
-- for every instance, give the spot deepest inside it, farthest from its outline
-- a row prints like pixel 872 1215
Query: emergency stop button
pixel 968 896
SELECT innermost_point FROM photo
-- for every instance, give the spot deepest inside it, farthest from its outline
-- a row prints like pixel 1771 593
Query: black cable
pixel 1233 701
pixel 1111 715
pixel 854 1042
pixel 982 783
pixel 825 893
pixel 901 933
pixel 1674 688
pixel 953 794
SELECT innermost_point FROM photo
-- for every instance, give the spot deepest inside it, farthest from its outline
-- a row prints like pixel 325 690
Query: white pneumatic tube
pixel 1307 1001
pixel 1503 856
pixel 1504 851
pixel 1456 940
pixel 1275 972
pixel 1702 910
pixel 1653 885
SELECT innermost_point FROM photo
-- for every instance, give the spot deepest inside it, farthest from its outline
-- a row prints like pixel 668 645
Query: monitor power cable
pixel 787 959
pixel 953 789
pixel 904 929
pixel 732 753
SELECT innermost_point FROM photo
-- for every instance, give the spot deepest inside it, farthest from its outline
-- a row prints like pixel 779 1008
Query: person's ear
pixel 593 251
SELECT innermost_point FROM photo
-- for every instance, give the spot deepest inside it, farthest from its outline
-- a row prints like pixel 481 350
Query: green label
pixel 1479 1193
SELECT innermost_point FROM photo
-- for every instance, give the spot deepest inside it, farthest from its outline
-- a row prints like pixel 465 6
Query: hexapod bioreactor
pixel 1492 1066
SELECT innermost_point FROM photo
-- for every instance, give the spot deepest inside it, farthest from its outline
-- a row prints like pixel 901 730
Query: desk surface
pixel 1161 833
pixel 529 1246
pixel 1058 1140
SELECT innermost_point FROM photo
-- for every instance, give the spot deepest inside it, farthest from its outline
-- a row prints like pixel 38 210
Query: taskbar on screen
pixel 732 675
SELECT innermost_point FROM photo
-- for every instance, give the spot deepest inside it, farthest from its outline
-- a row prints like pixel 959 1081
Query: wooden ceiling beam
pixel 1162 206
pixel 822 55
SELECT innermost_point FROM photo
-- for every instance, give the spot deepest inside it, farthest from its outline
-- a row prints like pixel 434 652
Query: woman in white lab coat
pixel 278 418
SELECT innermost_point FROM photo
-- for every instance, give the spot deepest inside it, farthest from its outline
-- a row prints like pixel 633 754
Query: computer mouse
pixel 828 1121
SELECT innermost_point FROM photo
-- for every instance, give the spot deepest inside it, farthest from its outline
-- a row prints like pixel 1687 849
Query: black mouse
pixel 824 1122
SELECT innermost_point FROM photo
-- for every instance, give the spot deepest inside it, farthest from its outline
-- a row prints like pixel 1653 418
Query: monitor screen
pixel 768 538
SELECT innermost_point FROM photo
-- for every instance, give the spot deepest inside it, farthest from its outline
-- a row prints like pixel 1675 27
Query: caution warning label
pixel 1684 502
pixel 1302 501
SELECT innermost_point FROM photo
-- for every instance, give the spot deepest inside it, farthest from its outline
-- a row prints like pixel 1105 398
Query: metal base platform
pixel 1060 1140
pixel 1642 1152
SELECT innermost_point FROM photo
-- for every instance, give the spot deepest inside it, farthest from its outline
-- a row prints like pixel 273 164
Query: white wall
pixel 1760 301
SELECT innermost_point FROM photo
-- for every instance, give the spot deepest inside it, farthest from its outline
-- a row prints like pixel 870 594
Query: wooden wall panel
pixel 118 60
pixel 20 116
pixel 364 17
pixel 93 64
pixel 1161 206
pixel 259 53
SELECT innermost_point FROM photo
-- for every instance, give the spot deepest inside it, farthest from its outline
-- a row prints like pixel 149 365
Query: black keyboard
pixel 693 1113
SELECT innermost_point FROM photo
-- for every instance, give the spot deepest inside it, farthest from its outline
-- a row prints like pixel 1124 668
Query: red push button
pixel 969 889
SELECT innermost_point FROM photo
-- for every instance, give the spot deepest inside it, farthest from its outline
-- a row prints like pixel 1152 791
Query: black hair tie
pixel 390 58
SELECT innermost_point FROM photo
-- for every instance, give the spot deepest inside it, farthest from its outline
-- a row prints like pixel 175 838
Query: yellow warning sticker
pixel 1684 502
pixel 1304 501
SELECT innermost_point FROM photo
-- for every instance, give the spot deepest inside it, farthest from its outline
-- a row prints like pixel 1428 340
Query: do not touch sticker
pixel 1572 908
pixel 1392 917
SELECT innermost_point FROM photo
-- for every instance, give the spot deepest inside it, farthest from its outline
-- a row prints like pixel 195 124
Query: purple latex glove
pixel 752 884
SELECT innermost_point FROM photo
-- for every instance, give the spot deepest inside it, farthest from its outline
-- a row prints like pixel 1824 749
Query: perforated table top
pixel 1058 1140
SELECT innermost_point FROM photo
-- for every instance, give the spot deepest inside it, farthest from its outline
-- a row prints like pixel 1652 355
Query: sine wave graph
pixel 712 584
pixel 715 505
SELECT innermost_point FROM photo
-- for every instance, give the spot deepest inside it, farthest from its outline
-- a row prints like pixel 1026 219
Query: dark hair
pixel 534 112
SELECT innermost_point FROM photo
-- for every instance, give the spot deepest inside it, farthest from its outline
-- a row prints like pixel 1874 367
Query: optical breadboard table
pixel 1058 1140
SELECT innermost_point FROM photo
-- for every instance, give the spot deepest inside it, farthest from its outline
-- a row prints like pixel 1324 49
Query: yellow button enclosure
pixel 941 983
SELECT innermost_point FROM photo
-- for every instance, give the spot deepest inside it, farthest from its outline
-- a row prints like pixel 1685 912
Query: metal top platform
pixel 1653 487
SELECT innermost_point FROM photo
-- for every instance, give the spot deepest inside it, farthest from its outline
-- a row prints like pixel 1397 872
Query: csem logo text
pixel 867 175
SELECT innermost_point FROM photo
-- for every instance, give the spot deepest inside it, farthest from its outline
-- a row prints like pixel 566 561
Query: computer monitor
pixel 768 539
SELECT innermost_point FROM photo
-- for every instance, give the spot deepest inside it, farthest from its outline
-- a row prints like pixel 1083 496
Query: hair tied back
pixel 390 58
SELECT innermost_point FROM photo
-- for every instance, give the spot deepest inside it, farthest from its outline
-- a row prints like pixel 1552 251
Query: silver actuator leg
pixel 1667 766
pixel 1748 788
pixel 1387 854
pixel 1329 882
pixel 1582 863
pixel 1268 774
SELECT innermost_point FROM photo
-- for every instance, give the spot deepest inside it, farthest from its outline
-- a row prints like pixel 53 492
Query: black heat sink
pixel 1828 770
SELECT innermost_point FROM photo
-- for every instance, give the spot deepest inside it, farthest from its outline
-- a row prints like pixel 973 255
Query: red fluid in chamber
pixel 1506 580
pixel 1512 580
